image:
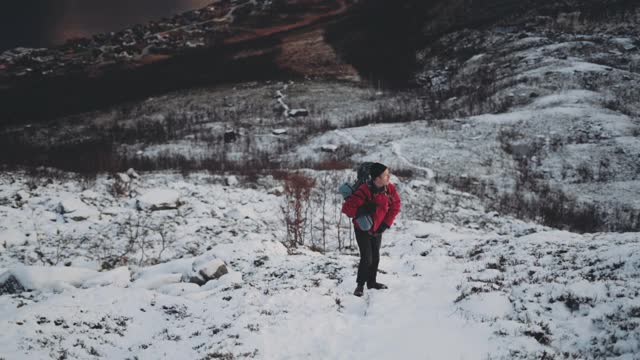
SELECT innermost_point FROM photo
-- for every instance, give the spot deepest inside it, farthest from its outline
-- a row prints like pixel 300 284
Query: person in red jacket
pixel 378 198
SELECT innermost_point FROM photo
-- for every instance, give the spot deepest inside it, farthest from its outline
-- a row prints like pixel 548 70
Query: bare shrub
pixel 297 192
pixel 326 189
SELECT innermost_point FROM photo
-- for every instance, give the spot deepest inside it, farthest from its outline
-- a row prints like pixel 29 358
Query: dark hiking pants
pixel 369 246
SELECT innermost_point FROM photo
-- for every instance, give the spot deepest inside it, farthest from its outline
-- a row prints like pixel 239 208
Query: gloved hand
pixel 382 228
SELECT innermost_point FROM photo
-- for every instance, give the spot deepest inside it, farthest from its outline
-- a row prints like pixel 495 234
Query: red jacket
pixel 387 204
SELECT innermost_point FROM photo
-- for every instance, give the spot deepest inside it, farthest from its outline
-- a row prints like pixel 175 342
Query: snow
pixel 154 282
pixel 119 277
pixel 451 294
pixel 488 306
pixel 12 237
pixel 48 278
pixel 567 67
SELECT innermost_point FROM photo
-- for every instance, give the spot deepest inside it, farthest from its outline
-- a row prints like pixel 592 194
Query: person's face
pixel 383 179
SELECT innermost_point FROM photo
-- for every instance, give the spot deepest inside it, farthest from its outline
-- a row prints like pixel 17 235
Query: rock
pixel 114 211
pixel 240 213
pixel 230 136
pixel 76 210
pixel 22 196
pixel 122 177
pixel 231 180
pixel 10 285
pixel 132 174
pixel 159 199
pixel 211 270
pixel 298 113
pixel 329 148
pixel 277 191
pixel 12 237
pixel 89 195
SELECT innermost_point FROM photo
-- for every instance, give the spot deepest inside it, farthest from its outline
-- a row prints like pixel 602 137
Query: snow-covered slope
pixel 474 286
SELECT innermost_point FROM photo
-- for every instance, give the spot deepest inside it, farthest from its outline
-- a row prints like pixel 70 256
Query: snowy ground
pixel 474 287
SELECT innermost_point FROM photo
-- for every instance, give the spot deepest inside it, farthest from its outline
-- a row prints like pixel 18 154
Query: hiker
pixel 379 199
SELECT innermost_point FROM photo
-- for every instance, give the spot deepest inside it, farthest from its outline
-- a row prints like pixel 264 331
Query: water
pixel 44 23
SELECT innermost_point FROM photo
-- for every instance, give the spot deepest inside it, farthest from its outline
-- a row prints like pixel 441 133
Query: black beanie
pixel 376 169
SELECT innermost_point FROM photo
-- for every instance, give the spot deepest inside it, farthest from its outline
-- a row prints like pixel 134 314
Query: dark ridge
pixel 51 98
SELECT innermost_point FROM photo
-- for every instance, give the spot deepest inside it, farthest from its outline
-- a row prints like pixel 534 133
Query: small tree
pixel 326 189
pixel 297 192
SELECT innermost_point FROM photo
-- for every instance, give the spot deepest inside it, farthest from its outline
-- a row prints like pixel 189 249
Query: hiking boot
pixel 377 286
pixel 359 291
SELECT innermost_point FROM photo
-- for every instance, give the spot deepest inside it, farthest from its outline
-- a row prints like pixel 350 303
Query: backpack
pixel 363 176
pixel 365 222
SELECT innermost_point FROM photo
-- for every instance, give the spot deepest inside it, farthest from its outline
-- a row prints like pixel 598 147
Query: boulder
pixel 241 212
pixel 132 173
pixel 122 177
pixel 22 196
pixel 277 191
pixel 159 199
pixel 298 113
pixel 10 285
pixel 230 136
pixel 231 180
pixel 89 195
pixel 329 148
pixel 211 270
pixel 76 210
